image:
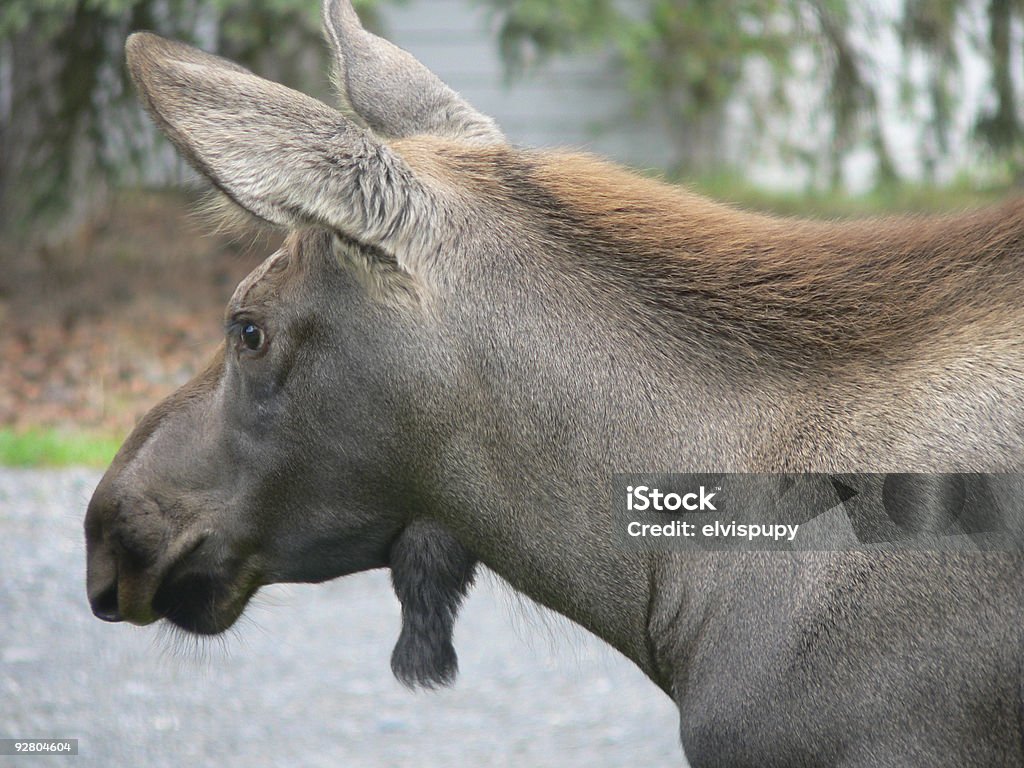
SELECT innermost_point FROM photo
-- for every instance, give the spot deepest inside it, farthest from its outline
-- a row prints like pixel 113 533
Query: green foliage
pixel 681 58
pixel 536 29
pixel 698 49
pixel 961 194
pixel 47 16
pixel 68 123
pixel 51 448
pixel 684 60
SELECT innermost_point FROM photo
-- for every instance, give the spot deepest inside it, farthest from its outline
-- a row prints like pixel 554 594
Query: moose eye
pixel 252 337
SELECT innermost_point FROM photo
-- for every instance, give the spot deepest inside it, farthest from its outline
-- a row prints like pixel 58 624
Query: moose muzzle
pixel 132 552
pixel 143 567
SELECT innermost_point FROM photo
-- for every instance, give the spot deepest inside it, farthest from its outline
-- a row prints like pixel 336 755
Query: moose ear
pixel 285 157
pixel 391 91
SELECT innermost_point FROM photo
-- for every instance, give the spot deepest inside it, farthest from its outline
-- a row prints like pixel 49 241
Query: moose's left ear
pixel 393 92
pixel 285 157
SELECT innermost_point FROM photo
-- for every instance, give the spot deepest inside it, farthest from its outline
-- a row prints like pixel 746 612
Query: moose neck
pixel 623 326
pixel 550 416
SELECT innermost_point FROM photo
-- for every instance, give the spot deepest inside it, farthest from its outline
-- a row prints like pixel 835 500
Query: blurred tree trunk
pixel 1002 129
pixel 852 99
pixel 65 88
pixel 69 126
pixel 929 27
pixel 31 109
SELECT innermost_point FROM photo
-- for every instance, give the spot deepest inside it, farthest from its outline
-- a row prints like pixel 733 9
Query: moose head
pixel 305 449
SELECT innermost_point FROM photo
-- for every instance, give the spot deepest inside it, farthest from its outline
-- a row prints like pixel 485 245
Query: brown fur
pixel 805 292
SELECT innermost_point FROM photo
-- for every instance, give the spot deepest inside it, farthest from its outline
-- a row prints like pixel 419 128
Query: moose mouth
pixel 191 593
pixel 200 603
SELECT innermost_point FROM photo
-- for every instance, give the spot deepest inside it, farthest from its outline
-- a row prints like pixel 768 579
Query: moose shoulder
pixel 460 341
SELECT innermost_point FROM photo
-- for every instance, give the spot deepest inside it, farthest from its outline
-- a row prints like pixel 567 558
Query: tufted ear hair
pixel 393 92
pixel 431 573
pixel 283 156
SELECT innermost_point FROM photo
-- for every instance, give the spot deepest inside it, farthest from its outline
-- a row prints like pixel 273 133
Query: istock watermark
pixel 872 512
pixel 641 498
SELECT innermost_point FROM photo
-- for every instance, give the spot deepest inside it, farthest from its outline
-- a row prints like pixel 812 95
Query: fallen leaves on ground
pixel 99 329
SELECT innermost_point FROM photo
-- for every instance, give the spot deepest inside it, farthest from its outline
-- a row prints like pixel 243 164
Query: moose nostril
pixel 104 605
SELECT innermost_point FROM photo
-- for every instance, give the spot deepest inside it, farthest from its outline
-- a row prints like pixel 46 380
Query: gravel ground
pixel 304 681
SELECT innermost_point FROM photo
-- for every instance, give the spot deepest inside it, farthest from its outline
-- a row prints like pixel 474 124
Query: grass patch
pixel 962 194
pixel 54 448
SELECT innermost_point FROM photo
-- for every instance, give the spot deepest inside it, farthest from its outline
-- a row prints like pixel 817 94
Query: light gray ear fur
pixel 393 92
pixel 287 158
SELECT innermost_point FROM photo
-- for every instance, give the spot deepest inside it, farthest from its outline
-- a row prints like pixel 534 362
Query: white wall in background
pixel 570 102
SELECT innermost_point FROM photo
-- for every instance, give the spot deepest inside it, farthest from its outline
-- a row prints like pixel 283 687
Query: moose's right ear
pixel 284 156
pixel 393 92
